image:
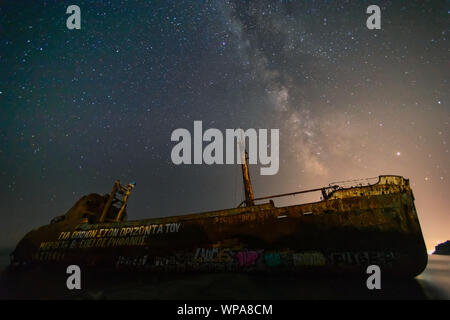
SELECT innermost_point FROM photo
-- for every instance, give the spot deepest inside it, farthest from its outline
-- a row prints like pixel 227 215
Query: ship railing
pixel 356 182
pixel 326 191
pixel 323 189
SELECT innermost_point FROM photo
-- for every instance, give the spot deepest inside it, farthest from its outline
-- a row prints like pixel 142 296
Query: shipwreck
pixel 348 230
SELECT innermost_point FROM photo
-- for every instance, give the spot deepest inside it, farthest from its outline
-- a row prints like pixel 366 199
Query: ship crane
pixel 118 198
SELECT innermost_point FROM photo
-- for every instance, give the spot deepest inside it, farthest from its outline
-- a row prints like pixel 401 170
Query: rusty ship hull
pixel 350 229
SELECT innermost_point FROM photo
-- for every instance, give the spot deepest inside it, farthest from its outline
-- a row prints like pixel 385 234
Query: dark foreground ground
pixel 434 283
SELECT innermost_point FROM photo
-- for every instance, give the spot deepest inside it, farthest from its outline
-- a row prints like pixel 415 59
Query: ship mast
pixel 249 198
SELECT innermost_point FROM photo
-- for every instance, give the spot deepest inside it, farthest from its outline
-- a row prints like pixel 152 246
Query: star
pixel 102 102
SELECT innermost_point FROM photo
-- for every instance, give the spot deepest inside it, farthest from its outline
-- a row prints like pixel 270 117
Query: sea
pixel 433 283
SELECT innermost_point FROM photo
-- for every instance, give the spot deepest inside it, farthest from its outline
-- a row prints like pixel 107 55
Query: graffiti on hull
pixel 216 258
pixel 363 258
pixel 226 255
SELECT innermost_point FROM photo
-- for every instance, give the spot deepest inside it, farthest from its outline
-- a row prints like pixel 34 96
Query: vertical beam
pixel 110 199
pixel 124 204
pixel 249 197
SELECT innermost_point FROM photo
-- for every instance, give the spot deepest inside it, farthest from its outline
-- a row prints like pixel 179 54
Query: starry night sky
pixel 81 108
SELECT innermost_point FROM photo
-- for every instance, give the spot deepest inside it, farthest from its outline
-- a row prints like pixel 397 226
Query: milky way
pixel 81 108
